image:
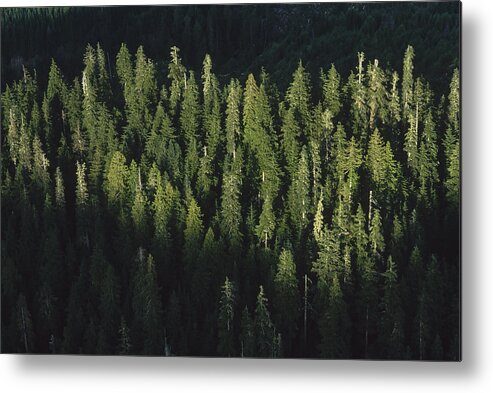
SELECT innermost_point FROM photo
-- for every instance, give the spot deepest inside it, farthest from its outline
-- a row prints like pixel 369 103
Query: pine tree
pixel 333 323
pixel 264 330
pixel 233 125
pixel 411 141
pixel 162 208
pixel 452 143
pixel 193 236
pixel 247 337
pixel 381 164
pixel 189 124
pixel 212 110
pixel 290 144
pixel 391 329
pixel 125 72
pixel 428 161
pixel 226 320
pixel 299 193
pixel 177 75
pixel 395 104
pixel 376 238
pixel 266 225
pixel 116 177
pixel 298 97
pixel 331 93
pixel 377 94
pixel 81 193
pixel 359 106
pixel 139 216
pixel 407 81
pixel 231 210
pixel 59 190
pixel 147 308
pixel 286 300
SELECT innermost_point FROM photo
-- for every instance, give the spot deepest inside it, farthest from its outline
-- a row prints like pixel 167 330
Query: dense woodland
pixel 240 38
pixel 161 211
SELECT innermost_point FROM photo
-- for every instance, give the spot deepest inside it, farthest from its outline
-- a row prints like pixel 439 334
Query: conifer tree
pixel 81 194
pixel 233 124
pixel 298 97
pixel 376 238
pixel 331 93
pixel 287 298
pixel 290 144
pixel 177 75
pixel 59 190
pixel 266 225
pixel 299 193
pixel 247 337
pixel 193 235
pixel 407 81
pixel 162 208
pixel 116 177
pixel 428 161
pixel 147 308
pixel 226 320
pixel 231 209
pixel 381 164
pixel 189 124
pixel 452 143
pixel 377 94
pixel 391 331
pixel 264 330
pixel 333 323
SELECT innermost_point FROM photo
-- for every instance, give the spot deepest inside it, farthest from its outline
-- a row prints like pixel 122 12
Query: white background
pixel 474 373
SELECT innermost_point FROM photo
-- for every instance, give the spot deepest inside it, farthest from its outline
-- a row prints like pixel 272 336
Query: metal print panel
pixel 266 181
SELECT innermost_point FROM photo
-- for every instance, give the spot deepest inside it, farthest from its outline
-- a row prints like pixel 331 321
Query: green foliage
pixel 381 164
pixel 331 90
pixel 226 317
pixel 407 81
pixel 150 188
pixel 116 178
pixel 231 210
pixel 263 328
pixel 287 298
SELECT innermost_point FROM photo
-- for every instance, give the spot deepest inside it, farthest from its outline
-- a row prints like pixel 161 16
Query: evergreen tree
pixel 298 97
pixel 331 93
pixel 233 124
pixel 177 76
pixel 407 81
pixel 193 235
pixel 231 210
pixel 452 142
pixel 116 177
pixel 428 161
pixel 226 319
pixel 264 330
pixel 247 337
pixel 266 225
pixel 299 193
pixel 287 299
pixel 333 323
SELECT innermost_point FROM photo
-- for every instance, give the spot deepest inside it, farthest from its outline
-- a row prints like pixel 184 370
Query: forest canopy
pixel 167 210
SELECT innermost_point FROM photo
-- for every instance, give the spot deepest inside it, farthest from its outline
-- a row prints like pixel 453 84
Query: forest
pixel 169 211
